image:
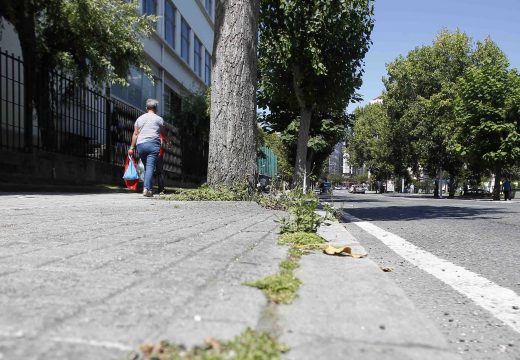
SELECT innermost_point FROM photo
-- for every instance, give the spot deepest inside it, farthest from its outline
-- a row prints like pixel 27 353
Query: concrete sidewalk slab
pixel 348 309
pixel 95 276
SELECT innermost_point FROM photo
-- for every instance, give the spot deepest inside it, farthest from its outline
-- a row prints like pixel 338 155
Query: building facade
pixel 179 52
pixel 95 125
pixel 336 160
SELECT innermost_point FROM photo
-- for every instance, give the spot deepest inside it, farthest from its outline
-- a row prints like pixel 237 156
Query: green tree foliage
pixel 311 54
pixel 325 132
pixel 96 38
pixel 420 93
pixel 274 141
pixel 369 142
pixel 488 105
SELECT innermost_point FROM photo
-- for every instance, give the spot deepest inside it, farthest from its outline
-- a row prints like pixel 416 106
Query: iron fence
pixel 72 118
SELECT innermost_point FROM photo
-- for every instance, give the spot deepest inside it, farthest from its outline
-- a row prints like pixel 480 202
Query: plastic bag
pixel 130 176
pixel 140 170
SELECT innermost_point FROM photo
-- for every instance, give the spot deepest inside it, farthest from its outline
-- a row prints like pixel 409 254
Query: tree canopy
pixel 310 59
pixel 451 106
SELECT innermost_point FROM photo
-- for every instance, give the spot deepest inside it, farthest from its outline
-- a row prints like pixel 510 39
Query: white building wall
pixel 170 68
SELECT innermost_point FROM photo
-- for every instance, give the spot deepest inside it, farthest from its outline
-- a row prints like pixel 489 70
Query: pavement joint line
pixel 406 345
pixel 93 343
pixel 222 270
pixel 500 301
pixel 117 292
pixel 239 218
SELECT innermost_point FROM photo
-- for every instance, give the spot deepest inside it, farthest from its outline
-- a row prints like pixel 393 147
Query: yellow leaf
pixel 332 250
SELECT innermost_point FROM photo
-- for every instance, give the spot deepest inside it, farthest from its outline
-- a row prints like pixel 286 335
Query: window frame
pixel 170 23
pixel 207 68
pixel 197 56
pixel 185 40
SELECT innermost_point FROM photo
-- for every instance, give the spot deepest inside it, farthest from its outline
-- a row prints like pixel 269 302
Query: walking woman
pixel 147 136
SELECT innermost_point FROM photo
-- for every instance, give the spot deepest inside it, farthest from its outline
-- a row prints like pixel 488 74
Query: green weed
pixel 250 345
pixel 301 240
pixel 279 288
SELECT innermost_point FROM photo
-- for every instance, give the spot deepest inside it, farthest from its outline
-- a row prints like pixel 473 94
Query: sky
pixel 402 25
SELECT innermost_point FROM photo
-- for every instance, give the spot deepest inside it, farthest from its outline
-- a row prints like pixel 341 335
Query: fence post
pixel 108 124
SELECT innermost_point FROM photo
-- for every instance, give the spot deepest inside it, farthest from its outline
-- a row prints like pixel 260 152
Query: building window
pixel 150 8
pixel 139 88
pixel 197 56
pixel 207 69
pixel 185 40
pixel 209 6
pixel 169 23
pixel 172 103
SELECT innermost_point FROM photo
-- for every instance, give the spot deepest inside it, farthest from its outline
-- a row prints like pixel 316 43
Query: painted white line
pixel 503 303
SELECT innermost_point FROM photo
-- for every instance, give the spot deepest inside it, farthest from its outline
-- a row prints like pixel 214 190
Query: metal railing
pixel 73 119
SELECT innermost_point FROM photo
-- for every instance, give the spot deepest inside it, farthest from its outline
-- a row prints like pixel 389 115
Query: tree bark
pixel 300 166
pixel 232 150
pixel 496 187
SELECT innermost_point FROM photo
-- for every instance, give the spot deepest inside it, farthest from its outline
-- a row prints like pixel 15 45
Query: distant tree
pixel 232 144
pixel 488 108
pixel 325 132
pixel 100 39
pixel 311 53
pixel 419 98
pixel 369 142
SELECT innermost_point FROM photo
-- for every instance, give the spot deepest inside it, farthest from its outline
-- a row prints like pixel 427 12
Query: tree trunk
pixel 300 166
pixel 496 187
pixel 452 187
pixel 232 152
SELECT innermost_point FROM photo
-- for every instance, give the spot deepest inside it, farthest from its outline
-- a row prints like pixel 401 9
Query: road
pixel 482 237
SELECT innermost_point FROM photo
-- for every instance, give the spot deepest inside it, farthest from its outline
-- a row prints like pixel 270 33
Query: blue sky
pixel 402 25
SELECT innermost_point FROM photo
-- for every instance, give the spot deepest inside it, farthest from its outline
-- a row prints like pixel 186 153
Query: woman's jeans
pixel 148 152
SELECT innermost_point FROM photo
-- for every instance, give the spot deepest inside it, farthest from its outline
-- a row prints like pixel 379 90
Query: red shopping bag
pixel 131 184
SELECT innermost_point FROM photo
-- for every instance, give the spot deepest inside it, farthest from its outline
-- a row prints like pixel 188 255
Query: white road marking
pixel 503 303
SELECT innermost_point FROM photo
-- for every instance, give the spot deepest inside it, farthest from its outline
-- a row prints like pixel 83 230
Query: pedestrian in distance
pixel 147 136
pixel 506 186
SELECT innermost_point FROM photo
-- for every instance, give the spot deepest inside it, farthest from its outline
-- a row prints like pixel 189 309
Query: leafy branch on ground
pixel 207 193
pixel 250 345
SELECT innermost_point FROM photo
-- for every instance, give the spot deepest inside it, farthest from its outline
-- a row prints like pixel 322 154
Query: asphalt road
pixel 481 236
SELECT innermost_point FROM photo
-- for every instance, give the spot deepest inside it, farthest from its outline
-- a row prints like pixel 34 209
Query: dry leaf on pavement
pixel 332 250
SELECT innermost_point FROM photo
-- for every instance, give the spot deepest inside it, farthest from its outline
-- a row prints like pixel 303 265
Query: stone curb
pixel 348 309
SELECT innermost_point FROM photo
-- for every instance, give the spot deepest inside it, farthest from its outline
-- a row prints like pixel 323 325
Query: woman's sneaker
pixel 147 193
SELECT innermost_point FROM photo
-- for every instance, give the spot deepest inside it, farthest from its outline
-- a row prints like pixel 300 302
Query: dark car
pixel 325 187
pixel 477 192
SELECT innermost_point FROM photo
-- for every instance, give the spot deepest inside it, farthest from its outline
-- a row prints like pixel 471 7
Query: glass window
pixel 185 40
pixel 139 89
pixel 172 102
pixel 150 8
pixel 207 69
pixel 209 6
pixel 169 23
pixel 197 56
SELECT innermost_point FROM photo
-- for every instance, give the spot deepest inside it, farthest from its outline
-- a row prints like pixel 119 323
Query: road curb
pixel 348 308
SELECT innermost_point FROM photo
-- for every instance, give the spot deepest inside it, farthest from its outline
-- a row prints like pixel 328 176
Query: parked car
pixel 477 192
pixel 357 189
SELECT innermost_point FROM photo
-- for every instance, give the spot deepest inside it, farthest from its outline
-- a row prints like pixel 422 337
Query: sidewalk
pixel 94 276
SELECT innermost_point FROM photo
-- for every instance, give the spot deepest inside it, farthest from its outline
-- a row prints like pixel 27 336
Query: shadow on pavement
pixel 424 212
